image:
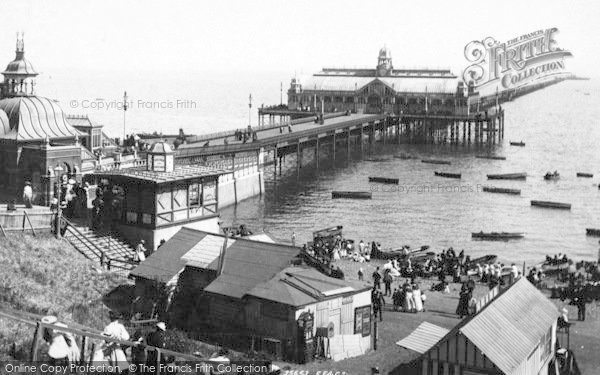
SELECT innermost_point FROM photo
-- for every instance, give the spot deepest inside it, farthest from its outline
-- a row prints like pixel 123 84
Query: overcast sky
pixel 283 36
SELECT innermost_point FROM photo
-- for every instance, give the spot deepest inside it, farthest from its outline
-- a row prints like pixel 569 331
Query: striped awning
pixel 423 338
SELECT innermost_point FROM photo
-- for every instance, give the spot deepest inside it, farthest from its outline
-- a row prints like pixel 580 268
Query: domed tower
pixel 19 74
pixel 384 62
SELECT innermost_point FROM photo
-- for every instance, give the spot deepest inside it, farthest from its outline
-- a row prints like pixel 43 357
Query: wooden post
pixel 298 157
pixel 158 355
pixel 469 135
pixel 36 338
pixel 83 344
pixel 464 134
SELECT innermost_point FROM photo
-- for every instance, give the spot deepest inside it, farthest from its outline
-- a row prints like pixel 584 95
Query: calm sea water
pixel 561 128
pixel 560 125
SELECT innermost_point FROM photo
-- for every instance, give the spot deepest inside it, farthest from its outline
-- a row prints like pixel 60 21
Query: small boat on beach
pixel 592 232
pixel 401 252
pixel 404 156
pixel 497 236
pixel 493 189
pixel 351 194
pixel 447 174
pixel 583 174
pixel 435 161
pixel 519 144
pixel 507 176
pixel 548 204
pixel 384 180
pixel 493 157
pixel 486 259
pixel 552 176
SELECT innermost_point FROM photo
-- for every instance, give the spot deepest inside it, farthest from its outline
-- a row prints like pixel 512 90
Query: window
pixel 194 191
pixel 546 343
pixel 362 320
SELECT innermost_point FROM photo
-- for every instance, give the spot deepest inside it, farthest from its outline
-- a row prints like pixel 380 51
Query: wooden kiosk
pixel 154 202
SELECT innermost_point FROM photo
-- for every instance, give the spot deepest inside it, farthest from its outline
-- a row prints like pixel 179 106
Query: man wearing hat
pixel 27 194
pixel 140 252
pixel 156 339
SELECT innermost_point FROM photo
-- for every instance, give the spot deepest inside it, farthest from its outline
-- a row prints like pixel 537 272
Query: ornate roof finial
pixel 20 42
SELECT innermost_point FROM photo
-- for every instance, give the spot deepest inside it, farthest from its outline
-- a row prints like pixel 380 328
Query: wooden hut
pixel 155 201
pixel 515 333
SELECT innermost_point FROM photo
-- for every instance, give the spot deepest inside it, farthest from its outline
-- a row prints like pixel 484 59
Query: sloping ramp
pixel 423 338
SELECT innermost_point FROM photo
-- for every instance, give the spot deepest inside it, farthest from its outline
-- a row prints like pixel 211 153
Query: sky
pixel 183 37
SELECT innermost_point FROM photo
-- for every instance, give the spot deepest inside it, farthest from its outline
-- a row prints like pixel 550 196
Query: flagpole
pixel 125 106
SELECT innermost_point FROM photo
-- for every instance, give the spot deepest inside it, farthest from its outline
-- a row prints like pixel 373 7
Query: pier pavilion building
pixel 380 90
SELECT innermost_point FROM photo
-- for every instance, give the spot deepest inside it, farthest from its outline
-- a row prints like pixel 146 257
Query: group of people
pixel 63 349
pixel 409 298
pixel 245 135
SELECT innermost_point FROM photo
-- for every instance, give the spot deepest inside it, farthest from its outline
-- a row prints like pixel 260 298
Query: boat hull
pixel 491 157
pixel 502 236
pixel 435 161
pixel 490 189
pixel 351 194
pixel 507 176
pixel 518 144
pixel 384 180
pixel 586 175
pixel 547 204
pixel 447 175
pixel 592 232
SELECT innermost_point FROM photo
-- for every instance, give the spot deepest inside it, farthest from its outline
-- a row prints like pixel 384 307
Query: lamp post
pixel 125 106
pixel 57 172
pixel 250 111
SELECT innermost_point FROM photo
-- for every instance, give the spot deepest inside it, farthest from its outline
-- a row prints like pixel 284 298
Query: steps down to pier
pixel 112 251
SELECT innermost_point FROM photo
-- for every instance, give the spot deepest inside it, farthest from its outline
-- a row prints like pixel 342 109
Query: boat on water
pixel 385 180
pixel 507 176
pixel 584 174
pixel 403 156
pixel 377 159
pixel 493 189
pixel 447 174
pixel 351 194
pixel 548 204
pixel 435 161
pixel 592 232
pixel 401 252
pixel 501 236
pixel 552 176
pixel 493 157
pixel 519 144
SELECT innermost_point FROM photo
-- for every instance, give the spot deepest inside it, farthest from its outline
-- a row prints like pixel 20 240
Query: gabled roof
pixel 424 337
pixel 250 263
pixel 166 261
pixel 400 84
pixel 511 325
pixel 300 286
pixel 34 118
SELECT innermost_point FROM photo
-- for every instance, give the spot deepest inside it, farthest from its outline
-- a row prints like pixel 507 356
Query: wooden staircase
pixel 111 251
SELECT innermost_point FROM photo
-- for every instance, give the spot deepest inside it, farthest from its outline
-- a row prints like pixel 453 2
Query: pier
pixel 342 130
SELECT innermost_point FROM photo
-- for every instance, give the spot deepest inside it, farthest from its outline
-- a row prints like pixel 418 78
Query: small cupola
pixel 161 158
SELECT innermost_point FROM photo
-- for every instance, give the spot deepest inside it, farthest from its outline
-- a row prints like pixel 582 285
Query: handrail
pixel 2 229
pixel 95 334
pixel 98 252
pixel 25 215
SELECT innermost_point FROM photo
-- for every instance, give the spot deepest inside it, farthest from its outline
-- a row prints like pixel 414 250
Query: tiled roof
pixel 34 118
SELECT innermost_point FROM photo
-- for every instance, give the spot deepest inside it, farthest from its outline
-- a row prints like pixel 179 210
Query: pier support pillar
pixel 348 142
pixel 334 145
pixel 298 157
pixel 317 152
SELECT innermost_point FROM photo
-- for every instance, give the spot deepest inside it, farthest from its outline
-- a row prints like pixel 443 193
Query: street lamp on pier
pixel 57 175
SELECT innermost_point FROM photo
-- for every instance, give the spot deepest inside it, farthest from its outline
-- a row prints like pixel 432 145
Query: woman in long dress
pixel 417 298
pixel 113 351
pixel 408 300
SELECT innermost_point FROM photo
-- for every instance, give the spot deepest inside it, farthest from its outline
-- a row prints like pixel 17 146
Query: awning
pixel 423 338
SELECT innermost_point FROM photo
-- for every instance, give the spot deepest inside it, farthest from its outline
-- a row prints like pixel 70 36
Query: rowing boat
pixel 552 176
pixel 592 232
pixel 492 189
pixel 583 174
pixel 491 157
pixel 548 204
pixel 351 194
pixel 520 144
pixel 401 252
pixel 447 175
pixel 507 176
pixel 502 236
pixel 384 180
pixel 435 161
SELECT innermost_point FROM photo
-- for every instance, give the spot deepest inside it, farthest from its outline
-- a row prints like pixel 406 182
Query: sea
pixel 560 126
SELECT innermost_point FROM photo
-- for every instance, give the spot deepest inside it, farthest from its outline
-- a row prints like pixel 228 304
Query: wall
pixel 245 184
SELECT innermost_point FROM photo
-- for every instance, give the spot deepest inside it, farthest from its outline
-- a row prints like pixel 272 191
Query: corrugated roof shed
pixel 510 327
pixel 424 337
